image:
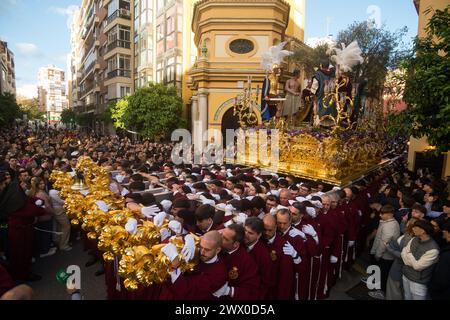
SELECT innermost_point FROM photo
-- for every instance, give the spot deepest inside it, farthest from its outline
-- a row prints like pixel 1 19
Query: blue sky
pixel 339 14
pixel 37 32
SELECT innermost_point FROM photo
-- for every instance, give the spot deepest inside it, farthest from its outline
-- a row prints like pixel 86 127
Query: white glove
pixel 192 196
pixel 317 204
pixel 124 192
pixel 175 226
pixel 351 244
pixel 224 291
pixel 170 251
pixel 309 229
pixel 119 178
pixel 102 205
pixel 311 212
pixel 39 203
pixel 209 201
pixel 164 233
pixel 240 218
pixel 221 206
pixel 333 259
pixel 166 204
pixel 188 250
pixel 294 232
pixel 289 250
pixel 158 220
pixel 175 274
pixel 131 225
pixel 229 209
pixel 150 211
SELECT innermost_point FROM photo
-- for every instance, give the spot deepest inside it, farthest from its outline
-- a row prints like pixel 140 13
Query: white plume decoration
pixel 347 57
pixel 274 55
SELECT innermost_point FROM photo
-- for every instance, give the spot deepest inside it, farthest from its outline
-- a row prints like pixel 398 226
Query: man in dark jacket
pixel 439 286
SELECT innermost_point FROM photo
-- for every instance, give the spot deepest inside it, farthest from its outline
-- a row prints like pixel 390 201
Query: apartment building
pixel 7 70
pixel 120 45
pixel 101 59
pixel 52 92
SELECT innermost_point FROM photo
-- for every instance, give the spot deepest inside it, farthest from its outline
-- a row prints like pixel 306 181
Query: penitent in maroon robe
pixel 206 279
pixel 242 274
pixel 328 223
pixel 284 274
pixel 302 269
pixel 21 238
pixel 314 251
pixel 261 256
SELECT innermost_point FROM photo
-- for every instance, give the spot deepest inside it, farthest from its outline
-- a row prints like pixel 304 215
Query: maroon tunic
pixel 261 256
pixel 328 224
pixel 353 226
pixel 206 279
pixel 21 238
pixel 301 269
pixel 314 251
pixel 284 274
pixel 243 274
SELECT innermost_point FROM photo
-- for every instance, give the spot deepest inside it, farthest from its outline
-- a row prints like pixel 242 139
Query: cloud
pixel 28 49
pixel 27 90
pixel 5 6
pixel 68 12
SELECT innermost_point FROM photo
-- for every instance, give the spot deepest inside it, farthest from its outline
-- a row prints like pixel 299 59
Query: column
pixel 203 114
pixel 194 119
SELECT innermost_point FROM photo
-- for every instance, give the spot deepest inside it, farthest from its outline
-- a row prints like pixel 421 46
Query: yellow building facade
pixel 230 37
pixel 417 146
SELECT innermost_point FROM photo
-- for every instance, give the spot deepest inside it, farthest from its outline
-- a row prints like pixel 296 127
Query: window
pixel 170 24
pixel 113 6
pixel 159 32
pixel 170 73
pixel 124 62
pixel 160 5
pixel 124 91
pixel 124 33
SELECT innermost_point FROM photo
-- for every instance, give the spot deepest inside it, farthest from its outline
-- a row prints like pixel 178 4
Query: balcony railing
pixel 87 70
pixel 86 89
pixel 120 13
pixel 118 43
pixel 119 73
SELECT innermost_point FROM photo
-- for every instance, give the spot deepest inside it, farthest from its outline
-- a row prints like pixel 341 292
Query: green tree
pixel 68 116
pixel 9 109
pixel 153 111
pixel 427 86
pixel 381 49
pixel 309 58
pixel 30 107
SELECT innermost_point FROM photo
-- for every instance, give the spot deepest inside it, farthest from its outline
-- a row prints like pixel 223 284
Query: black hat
pixel 425 226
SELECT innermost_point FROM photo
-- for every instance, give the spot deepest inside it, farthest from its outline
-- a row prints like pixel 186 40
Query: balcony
pixel 118 44
pixel 121 13
pixel 119 73
pixel 87 70
pixel 87 88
